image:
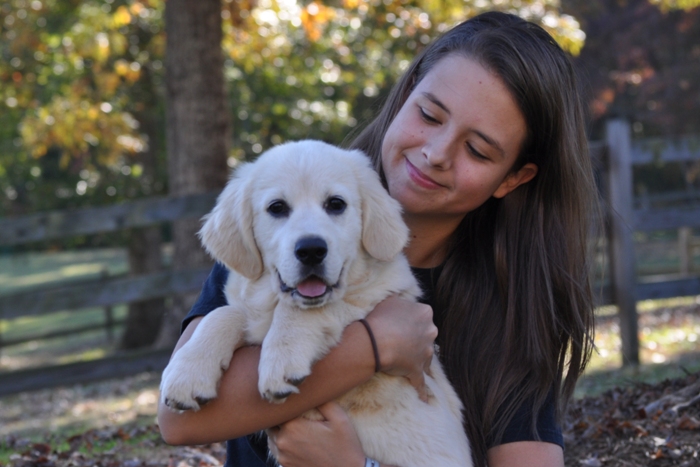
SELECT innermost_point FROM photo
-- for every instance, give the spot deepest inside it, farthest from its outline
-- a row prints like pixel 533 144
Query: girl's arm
pixel 404 334
pixel 526 454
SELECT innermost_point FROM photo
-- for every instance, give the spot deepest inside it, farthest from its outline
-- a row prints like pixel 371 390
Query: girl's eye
pixel 476 153
pixel 427 117
pixel 278 208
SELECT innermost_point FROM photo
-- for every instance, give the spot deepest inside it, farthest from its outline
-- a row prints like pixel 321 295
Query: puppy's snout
pixel 311 250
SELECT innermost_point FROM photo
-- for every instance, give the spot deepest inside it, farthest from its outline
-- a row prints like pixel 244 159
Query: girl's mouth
pixel 419 178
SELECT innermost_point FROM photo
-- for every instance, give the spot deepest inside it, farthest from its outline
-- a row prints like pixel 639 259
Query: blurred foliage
pixel 81 82
pixel 319 70
pixel 641 62
pixel 75 79
pixel 668 5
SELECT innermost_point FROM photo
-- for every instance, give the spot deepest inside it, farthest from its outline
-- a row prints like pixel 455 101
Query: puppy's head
pixel 306 212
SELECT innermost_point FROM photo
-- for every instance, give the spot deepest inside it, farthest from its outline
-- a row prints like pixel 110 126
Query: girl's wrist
pixel 373 341
pixel 384 357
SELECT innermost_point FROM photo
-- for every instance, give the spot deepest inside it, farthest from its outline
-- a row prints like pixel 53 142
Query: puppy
pixel 313 242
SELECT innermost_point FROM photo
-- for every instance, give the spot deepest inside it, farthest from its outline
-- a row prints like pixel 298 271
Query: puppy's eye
pixel 278 208
pixel 335 205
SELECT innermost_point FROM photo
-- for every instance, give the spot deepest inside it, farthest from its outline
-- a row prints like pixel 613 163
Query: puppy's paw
pixel 189 383
pixel 279 377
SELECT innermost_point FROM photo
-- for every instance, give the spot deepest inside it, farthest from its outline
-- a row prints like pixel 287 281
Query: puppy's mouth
pixel 312 290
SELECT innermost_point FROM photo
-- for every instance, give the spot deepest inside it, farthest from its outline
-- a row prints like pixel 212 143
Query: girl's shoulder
pixel 520 426
pixel 212 295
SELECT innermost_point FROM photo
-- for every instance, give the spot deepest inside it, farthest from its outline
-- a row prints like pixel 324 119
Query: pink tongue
pixel 311 287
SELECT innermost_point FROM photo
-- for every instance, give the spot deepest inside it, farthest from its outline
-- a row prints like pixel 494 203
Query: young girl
pixel 483 143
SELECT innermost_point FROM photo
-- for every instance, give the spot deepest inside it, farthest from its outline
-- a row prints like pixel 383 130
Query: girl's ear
pixel 515 179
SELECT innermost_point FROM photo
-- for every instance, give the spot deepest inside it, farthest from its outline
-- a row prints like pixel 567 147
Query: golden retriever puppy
pixel 313 242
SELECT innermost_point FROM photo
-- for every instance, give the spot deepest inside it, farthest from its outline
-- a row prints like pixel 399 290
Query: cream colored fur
pixel 363 266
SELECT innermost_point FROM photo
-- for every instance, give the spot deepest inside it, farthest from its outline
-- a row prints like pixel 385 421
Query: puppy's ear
pixel 384 233
pixel 227 233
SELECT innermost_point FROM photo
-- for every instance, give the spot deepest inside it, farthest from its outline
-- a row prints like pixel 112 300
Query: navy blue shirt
pixel 251 450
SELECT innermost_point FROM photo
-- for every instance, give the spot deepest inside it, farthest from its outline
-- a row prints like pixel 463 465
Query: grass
pixel 669 338
pixel 138 438
pixel 25 271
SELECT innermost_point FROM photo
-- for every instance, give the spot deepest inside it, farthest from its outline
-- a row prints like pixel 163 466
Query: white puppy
pixel 313 242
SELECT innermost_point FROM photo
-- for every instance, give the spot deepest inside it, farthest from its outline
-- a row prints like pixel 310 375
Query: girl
pixel 483 143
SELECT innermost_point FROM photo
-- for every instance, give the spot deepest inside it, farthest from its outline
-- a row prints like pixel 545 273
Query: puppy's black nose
pixel 311 250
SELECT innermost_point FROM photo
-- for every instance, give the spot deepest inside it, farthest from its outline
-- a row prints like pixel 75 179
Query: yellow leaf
pixel 121 66
pixel 122 17
pixel 313 17
pixel 136 8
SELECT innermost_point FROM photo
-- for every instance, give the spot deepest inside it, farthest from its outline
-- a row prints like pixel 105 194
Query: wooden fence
pixel 614 157
pixel 619 155
pixel 101 292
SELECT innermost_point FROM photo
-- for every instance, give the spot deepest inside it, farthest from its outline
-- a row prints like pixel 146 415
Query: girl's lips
pixel 419 178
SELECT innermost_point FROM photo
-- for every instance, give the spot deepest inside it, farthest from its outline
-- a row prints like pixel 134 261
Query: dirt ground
pixel 639 425
pixel 112 424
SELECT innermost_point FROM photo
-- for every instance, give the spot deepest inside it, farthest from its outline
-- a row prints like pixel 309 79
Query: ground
pixel 113 424
pixel 615 429
pixel 107 424
pixel 618 417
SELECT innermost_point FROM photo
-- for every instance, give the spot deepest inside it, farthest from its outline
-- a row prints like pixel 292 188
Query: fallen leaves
pixel 637 425
pixel 634 425
pixel 135 446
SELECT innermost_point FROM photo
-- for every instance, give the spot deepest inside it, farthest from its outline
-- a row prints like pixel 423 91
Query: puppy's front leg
pixel 191 378
pixel 295 341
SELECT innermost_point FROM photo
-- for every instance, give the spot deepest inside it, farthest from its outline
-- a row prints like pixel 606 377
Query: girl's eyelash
pixel 427 117
pixel 475 152
pixel 430 119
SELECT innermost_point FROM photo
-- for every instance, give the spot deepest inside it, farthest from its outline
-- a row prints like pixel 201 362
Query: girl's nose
pixel 437 153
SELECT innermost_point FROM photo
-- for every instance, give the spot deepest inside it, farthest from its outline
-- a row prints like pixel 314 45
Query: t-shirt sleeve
pixel 519 428
pixel 212 295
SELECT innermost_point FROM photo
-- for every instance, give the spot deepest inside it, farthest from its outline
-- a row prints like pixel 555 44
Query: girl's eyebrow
pixel 490 141
pixel 432 98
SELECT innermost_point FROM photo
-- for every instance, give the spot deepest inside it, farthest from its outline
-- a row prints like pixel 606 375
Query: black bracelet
pixel 375 349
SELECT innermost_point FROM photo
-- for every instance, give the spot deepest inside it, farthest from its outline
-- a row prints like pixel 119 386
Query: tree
pixel 197 126
pixel 85 91
pixel 651 80
pixel 82 83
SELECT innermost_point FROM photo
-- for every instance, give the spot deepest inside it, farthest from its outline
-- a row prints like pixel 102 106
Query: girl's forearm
pixel 239 410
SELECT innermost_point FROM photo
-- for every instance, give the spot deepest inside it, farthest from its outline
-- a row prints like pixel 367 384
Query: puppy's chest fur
pixel 367 285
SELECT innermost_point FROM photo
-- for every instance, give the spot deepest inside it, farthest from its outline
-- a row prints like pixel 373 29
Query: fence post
pixel 109 315
pixel 685 249
pixel 619 142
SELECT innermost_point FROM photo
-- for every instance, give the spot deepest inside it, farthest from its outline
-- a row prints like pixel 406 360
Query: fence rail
pixel 138 213
pixel 116 366
pixel 100 292
pixel 614 158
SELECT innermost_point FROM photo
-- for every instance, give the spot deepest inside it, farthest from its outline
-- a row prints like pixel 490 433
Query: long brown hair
pixel 515 287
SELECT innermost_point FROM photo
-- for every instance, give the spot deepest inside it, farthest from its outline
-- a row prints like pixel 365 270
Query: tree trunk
pixel 197 128
pixel 144 318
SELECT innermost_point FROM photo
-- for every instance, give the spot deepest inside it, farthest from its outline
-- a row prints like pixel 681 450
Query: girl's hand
pixel 405 336
pixel 305 443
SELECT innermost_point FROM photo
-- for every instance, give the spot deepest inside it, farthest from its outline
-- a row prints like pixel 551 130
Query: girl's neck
pixel 427 246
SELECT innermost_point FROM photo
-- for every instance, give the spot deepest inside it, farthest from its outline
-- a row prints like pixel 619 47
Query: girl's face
pixel 453 143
